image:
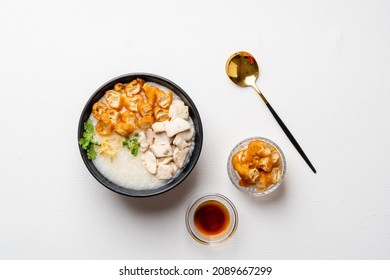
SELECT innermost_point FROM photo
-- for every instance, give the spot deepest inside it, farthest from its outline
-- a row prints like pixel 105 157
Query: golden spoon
pixel 243 70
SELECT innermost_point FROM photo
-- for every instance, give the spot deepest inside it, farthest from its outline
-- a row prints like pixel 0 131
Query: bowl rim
pixel 87 109
pixel 231 170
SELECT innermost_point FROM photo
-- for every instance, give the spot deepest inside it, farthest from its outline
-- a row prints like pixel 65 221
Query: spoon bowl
pixel 243 70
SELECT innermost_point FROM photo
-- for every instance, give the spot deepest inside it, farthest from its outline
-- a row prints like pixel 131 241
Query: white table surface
pixel 325 68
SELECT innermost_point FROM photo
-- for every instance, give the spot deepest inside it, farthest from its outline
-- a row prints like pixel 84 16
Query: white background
pixel 325 68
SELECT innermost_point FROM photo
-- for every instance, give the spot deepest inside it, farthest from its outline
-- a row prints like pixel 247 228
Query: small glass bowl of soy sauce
pixel 211 219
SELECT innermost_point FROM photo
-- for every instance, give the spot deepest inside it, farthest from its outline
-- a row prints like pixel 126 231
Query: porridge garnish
pixel 257 164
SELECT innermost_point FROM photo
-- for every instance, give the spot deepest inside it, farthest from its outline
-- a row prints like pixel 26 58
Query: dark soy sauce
pixel 211 218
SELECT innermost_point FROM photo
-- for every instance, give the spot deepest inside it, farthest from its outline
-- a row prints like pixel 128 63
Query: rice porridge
pixel 139 135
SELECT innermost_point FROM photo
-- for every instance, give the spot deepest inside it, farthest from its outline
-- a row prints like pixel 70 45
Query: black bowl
pixel 194 114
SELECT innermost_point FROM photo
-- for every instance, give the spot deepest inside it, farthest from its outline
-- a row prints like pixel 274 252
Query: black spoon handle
pixel 291 137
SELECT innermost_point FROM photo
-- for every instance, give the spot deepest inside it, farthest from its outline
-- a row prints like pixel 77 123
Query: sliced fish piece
pixel 150 162
pixel 176 126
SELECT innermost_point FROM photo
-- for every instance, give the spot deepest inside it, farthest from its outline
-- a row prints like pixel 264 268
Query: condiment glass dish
pixel 228 229
pixel 235 177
